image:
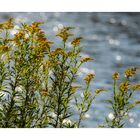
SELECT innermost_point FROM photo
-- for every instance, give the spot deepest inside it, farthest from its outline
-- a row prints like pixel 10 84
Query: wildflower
pixel 130 72
pixel 76 41
pixel 99 90
pixel 136 87
pixel 44 92
pixel 46 64
pixel 64 33
pixel 86 59
pixel 4 48
pixel 59 51
pixel 34 27
pixel 115 76
pixel 74 88
pixel 137 102
pixel 7 25
pixel 89 77
pixel 19 35
pixel 124 86
pixel 44 43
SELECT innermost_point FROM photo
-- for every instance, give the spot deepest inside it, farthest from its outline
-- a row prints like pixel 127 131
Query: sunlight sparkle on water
pixel 111 116
pixel 118 58
pixel 131 120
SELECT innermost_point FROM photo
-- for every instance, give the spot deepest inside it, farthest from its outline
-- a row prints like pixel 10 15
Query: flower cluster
pixel 7 25
pixel 130 72
pixel 124 86
pixel 64 33
pixel 89 77
pixel 115 76
pixel 76 41
pixel 99 90
pixel 37 80
pixel 86 59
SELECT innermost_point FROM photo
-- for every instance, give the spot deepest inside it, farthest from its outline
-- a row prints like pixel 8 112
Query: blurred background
pixel 112 39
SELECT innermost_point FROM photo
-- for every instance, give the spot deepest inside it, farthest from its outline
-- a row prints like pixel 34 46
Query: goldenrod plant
pixel 37 80
pixel 122 100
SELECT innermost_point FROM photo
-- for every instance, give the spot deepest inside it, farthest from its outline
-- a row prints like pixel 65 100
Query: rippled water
pixel 113 39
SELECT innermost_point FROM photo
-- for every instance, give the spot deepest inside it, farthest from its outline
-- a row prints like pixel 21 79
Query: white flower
pixel 111 116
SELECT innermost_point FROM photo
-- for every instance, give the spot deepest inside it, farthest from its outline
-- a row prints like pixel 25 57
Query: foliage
pixel 37 81
pixel 122 100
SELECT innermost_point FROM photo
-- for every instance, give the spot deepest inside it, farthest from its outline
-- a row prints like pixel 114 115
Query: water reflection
pixel 113 39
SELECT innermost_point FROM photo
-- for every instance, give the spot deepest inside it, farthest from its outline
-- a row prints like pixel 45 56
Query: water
pixel 113 39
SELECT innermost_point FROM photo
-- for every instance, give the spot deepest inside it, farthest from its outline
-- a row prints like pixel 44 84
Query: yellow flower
pixel 136 87
pixel 99 90
pixel 64 33
pixel 44 92
pixel 124 86
pixel 86 59
pixel 34 27
pixel 76 41
pixel 89 77
pixel 137 102
pixel 130 72
pixel 59 51
pixel 4 48
pixel 7 25
pixel 74 88
pixel 115 76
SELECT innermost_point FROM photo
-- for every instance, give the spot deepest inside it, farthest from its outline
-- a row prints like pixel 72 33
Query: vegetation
pixel 37 81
